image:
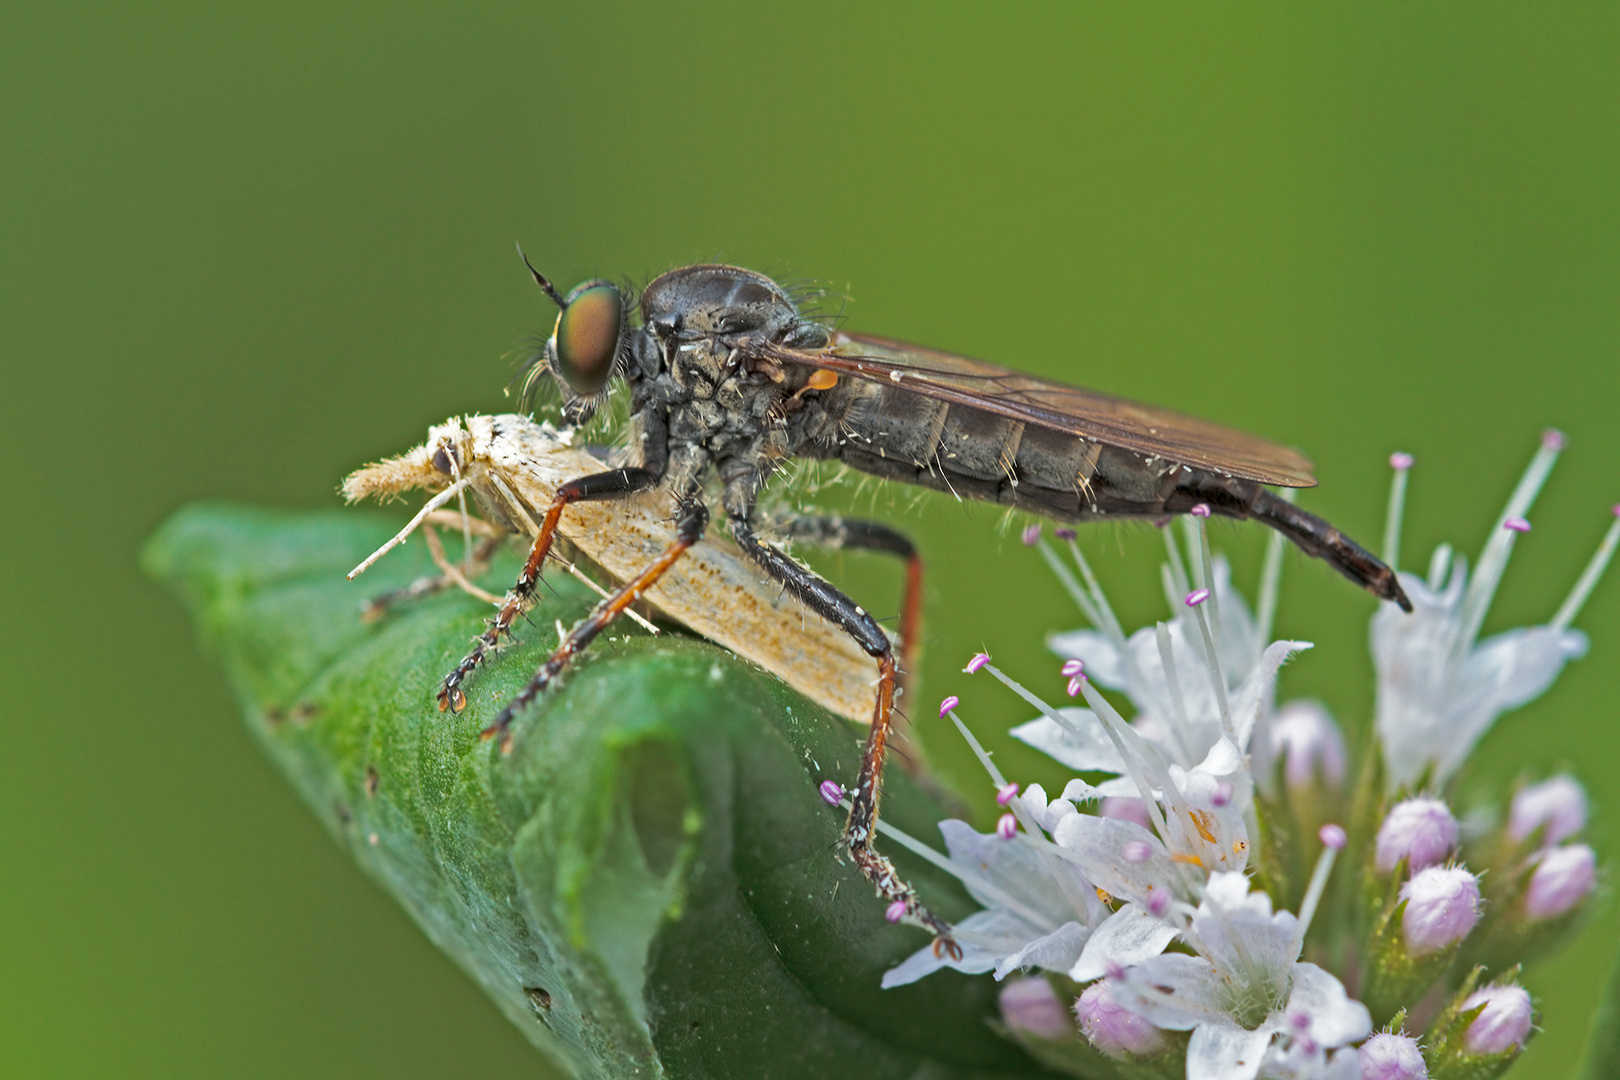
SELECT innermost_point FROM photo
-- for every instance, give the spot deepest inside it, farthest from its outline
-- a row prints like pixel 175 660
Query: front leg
pixel 614 484
pixel 691 518
pixel 825 600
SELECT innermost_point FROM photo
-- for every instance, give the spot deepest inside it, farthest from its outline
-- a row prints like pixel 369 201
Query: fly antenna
pixel 551 290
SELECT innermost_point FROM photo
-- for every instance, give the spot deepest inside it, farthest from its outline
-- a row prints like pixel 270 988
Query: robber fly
pixel 727 379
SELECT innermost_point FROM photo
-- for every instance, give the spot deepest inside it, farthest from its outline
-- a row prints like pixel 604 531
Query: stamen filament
pixel 1270 583
pixel 1393 518
pixel 1318 885
pixel 1082 601
pixel 1208 570
pixel 1217 678
pixel 1493 560
pixel 1031 828
pixel 1178 706
pixel 1178 569
pixel 1589 577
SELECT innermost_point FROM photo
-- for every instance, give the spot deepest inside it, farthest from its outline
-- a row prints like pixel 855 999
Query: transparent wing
pixel 1086 414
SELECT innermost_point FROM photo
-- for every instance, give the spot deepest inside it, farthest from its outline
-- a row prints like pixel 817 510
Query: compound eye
pixel 587 336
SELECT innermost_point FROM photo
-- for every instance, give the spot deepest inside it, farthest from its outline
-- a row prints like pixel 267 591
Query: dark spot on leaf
pixel 303 711
pixel 275 717
pixel 539 997
pixel 691 1029
pixel 341 809
pixel 658 804
pixel 372 780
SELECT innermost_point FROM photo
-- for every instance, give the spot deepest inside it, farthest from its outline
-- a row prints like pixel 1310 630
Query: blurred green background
pixel 244 250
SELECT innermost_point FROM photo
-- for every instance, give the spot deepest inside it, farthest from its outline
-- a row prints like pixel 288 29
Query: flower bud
pixel 1503 1025
pixel 1556 806
pixel 1126 808
pixel 1442 906
pixel 1421 831
pixel 1563 878
pixel 1307 741
pixel 1114 1029
pixel 1386 1056
pixel 1032 1007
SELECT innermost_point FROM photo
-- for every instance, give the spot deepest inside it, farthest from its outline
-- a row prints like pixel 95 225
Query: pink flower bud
pixel 1114 1029
pixel 1126 808
pixel 1307 740
pixel 1562 879
pixel 1503 1025
pixel 1421 831
pixel 1033 1007
pixel 1442 906
pixel 1556 806
pixel 1386 1056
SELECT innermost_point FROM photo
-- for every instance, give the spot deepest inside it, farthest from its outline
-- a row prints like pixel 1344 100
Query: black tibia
pixel 821 597
pixel 613 484
pixel 833 531
pixel 692 517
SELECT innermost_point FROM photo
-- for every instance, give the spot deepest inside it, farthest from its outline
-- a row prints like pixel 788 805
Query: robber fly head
pixel 585 349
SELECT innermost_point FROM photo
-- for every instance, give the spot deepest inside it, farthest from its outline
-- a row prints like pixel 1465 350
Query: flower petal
pixel 1089 750
pixel 1336 1018
pixel 1120 857
pixel 1173 991
pixel 1056 951
pixel 1129 936
pixel 1220 1050
pixel 1104 665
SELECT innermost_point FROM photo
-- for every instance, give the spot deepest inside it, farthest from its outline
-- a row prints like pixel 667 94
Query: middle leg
pixel 816 593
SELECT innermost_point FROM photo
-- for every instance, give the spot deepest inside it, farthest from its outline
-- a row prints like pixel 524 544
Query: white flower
pixel 1246 997
pixel 1038 910
pixel 1439 687
pixel 1183 707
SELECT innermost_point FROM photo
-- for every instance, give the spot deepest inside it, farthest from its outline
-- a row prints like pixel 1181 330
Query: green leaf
pixel 648 884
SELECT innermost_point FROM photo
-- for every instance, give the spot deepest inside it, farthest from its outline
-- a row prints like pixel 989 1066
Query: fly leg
pixel 821 597
pixel 691 518
pixel 833 531
pixel 614 484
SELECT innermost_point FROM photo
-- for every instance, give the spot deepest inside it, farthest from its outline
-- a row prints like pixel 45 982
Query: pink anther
pixel 832 791
pixel 1007 794
pixel 1400 461
pixel 1196 597
pixel 948 704
pixel 1201 510
pixel 978 661
pixel 1518 525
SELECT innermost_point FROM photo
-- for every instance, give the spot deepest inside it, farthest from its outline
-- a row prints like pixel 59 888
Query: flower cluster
pixel 1181 915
